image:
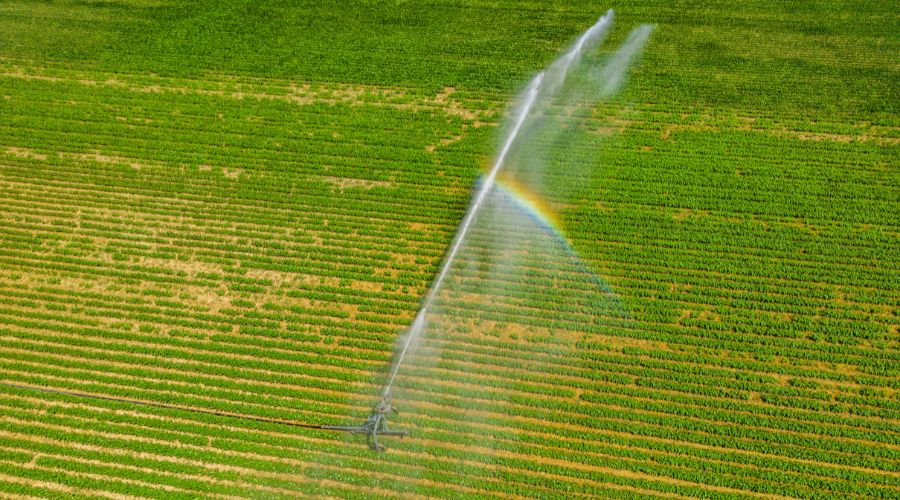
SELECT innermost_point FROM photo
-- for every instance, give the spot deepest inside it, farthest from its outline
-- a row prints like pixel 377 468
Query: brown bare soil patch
pixel 210 301
pixel 97 156
pixel 189 267
pixel 278 278
pixel 418 227
pixel 682 214
pixel 444 142
pixel 605 130
pixel 25 153
pixel 843 138
pixel 668 130
pixel 366 286
pixel 686 213
pixel 343 183
pixel 232 173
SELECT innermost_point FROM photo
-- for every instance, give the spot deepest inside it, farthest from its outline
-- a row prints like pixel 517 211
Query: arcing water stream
pixel 505 207
pixel 544 86
pixel 418 324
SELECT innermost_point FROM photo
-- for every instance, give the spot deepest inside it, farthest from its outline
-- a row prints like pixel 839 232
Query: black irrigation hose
pixel 216 413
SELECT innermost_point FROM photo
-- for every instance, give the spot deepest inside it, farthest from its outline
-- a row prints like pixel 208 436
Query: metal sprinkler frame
pixel 375 425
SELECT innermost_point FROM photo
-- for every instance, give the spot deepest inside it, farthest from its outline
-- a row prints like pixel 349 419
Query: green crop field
pixel 237 206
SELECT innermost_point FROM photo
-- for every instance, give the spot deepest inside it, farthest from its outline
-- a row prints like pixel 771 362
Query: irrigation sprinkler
pixel 374 426
pixel 541 91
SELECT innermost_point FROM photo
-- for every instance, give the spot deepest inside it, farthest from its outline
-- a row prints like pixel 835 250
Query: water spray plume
pixel 521 193
pixel 419 322
pixel 530 95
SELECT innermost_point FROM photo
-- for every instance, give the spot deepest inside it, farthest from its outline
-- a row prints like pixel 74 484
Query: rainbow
pixel 544 216
pixel 533 205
